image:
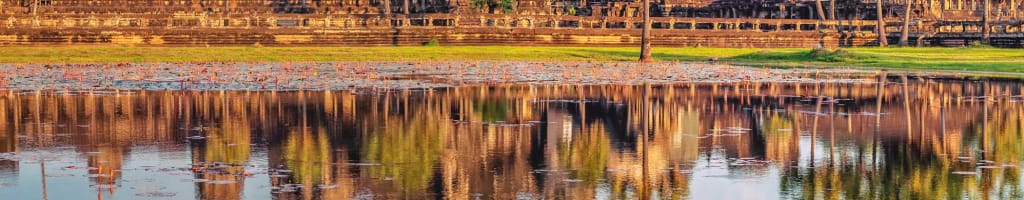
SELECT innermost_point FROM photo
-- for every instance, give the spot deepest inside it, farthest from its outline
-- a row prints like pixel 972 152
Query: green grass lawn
pixel 970 59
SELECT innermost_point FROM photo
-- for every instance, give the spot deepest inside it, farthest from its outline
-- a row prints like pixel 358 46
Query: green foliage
pixel 432 43
pixel 506 6
pixel 491 110
pixel 479 5
pixel 824 55
pixel 105 38
pixel 978 44
pixel 407 150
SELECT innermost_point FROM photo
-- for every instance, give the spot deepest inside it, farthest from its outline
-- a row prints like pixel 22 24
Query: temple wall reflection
pixel 828 140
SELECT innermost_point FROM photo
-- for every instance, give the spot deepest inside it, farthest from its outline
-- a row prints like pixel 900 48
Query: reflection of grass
pixel 407 149
pixel 980 59
pixel 491 111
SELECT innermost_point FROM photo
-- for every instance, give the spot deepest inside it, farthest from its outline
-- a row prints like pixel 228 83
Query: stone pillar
pixel 693 25
pixel 782 11
pixel 1013 7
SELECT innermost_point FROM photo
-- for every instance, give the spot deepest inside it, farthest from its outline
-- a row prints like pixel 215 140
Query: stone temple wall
pixel 721 23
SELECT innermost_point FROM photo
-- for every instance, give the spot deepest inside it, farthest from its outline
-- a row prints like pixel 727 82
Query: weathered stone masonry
pixel 724 23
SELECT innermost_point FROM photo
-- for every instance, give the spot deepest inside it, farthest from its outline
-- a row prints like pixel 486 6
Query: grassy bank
pixel 971 59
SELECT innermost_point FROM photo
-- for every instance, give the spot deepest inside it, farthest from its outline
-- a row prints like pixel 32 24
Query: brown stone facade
pixel 714 23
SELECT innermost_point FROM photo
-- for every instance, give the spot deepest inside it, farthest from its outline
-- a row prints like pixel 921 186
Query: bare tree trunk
pixel 782 13
pixel 35 7
pixel 986 27
pixel 405 7
pixel 387 8
pixel 906 24
pixel 857 16
pixel 839 22
pixel 880 27
pixel 821 10
pixel 832 10
pixel 645 35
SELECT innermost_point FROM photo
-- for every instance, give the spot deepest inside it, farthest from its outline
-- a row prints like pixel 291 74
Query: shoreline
pixel 284 76
pixel 978 59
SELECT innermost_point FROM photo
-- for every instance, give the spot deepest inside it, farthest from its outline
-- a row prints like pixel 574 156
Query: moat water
pixel 923 139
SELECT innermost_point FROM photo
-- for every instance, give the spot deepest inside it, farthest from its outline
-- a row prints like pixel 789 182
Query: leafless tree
pixel 821 10
pixel 905 31
pixel 986 29
pixel 880 27
pixel 405 7
pixel 832 10
pixel 645 35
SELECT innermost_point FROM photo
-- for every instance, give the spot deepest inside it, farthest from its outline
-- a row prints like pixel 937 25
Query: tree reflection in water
pixel 906 138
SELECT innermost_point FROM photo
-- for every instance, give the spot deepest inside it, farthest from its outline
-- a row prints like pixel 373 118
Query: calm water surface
pixel 926 139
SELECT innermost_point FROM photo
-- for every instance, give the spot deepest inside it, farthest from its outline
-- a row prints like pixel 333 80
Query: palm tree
pixel 880 27
pixel 645 35
pixel 906 24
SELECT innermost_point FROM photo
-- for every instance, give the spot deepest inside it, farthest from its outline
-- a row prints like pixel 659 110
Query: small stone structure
pixel 718 23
